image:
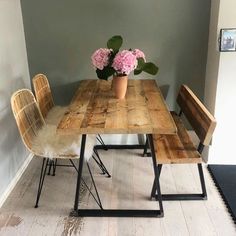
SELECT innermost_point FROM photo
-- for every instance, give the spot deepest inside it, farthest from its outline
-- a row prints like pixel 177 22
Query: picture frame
pixel 227 41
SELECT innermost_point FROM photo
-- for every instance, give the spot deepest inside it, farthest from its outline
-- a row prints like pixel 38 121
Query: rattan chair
pixel 48 109
pixel 30 123
pixel 43 94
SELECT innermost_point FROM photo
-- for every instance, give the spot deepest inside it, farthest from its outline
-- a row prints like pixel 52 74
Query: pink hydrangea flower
pixel 138 53
pixel 100 58
pixel 124 62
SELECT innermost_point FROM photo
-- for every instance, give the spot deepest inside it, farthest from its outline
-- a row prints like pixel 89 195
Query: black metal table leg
pixel 50 166
pixel 145 147
pixel 156 172
pixel 153 193
pixel 117 212
pixel 81 162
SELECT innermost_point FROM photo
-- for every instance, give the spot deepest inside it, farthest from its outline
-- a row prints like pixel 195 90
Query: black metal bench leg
pixel 187 196
pixel 41 180
pixel 201 175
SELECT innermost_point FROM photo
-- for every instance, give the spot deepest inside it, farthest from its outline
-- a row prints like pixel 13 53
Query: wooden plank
pixel 137 114
pixel 51 218
pixel 117 116
pixel 173 222
pixel 176 149
pixel 142 184
pixel 73 119
pixel 198 116
pixel 94 109
pixel 122 193
pixel 160 119
pixel 216 208
pixel 195 212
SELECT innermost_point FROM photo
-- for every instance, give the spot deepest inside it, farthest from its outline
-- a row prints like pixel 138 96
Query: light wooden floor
pixel 130 186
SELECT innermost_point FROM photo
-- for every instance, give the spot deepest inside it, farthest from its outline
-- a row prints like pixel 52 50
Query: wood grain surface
pixel 176 149
pixel 132 177
pixel 179 148
pixel 94 109
pixel 201 120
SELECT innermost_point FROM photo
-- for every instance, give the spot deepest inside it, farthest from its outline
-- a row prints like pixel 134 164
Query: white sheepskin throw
pixel 55 115
pixel 52 145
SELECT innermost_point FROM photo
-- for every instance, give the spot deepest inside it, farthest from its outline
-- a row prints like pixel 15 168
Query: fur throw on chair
pixel 49 143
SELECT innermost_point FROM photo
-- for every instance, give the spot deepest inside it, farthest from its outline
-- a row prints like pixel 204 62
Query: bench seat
pixel 176 149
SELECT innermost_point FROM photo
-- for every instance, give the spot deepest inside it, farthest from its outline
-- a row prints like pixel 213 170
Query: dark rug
pixel 224 177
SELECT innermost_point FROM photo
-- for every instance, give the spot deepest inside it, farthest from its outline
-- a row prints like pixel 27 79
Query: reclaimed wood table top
pixel 94 109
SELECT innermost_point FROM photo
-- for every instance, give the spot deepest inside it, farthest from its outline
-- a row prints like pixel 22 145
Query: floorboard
pixel 130 186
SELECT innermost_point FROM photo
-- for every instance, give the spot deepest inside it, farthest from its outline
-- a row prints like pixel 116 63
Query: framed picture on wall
pixel 228 40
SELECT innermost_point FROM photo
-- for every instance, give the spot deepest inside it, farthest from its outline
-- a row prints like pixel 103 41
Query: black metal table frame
pixel 76 212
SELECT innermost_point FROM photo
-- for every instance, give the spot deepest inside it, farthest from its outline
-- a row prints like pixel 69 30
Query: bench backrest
pixel 43 93
pixel 197 114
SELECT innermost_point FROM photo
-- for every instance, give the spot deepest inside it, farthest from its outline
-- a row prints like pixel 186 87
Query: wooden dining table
pixel 95 110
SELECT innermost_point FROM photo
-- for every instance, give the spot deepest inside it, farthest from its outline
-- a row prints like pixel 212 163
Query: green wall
pixel 61 35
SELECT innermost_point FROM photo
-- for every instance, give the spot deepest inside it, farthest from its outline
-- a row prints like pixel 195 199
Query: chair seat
pixel 48 143
pixel 176 149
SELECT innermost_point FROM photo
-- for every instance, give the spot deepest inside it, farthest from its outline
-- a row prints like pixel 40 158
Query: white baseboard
pixel 14 181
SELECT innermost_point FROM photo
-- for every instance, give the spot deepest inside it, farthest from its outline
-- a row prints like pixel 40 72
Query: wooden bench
pixel 179 148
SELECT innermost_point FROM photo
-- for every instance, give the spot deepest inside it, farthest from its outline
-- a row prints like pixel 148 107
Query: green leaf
pixel 137 72
pixel 105 73
pixel 141 64
pixel 115 43
pixel 150 68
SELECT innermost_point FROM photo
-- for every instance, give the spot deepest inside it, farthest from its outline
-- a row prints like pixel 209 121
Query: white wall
pixel 220 90
pixel 13 75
